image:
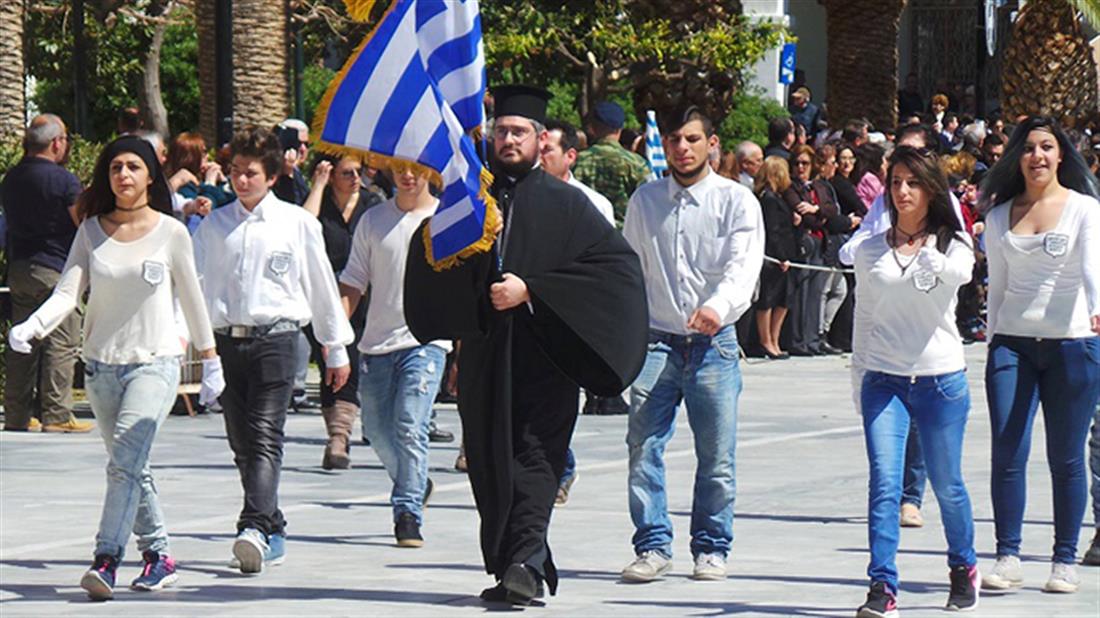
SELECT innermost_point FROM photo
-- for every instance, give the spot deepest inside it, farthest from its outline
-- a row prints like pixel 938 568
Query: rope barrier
pixel 824 269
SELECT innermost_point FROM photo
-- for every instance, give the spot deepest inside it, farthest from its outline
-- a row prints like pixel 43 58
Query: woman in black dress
pixel 338 200
pixel 779 242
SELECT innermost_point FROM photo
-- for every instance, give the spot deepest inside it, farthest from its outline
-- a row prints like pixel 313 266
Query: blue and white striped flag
pixel 408 96
pixel 654 152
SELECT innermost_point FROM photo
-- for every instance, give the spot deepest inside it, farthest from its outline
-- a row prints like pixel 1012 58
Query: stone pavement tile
pixel 800 524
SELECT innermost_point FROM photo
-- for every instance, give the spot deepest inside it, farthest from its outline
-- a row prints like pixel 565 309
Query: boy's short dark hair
pixel 258 143
pixel 675 118
pixel 779 128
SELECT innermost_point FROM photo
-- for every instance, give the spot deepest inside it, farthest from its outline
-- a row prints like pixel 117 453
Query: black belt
pixel 241 331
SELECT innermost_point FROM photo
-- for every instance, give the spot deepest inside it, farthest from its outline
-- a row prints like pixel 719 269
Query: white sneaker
pixel 1005 574
pixel 1063 578
pixel 709 567
pixel 648 566
pixel 249 549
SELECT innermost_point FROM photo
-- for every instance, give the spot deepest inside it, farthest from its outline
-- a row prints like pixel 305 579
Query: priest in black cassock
pixel 559 303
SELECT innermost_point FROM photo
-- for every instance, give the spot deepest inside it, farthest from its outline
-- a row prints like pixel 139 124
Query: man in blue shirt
pixel 38 196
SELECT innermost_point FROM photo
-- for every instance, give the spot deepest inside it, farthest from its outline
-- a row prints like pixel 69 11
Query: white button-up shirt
pixel 700 246
pixel 267 265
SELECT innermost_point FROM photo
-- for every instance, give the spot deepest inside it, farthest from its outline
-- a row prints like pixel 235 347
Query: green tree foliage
pixel 114 66
pixel 663 52
pixel 748 119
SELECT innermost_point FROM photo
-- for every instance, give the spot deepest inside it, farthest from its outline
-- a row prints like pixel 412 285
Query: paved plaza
pixel 800 525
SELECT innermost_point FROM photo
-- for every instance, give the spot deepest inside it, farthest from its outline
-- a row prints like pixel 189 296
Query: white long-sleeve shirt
pixel 130 312
pixel 700 246
pixel 1045 285
pixel 267 265
pixel 905 321
pixel 379 251
pixel 876 222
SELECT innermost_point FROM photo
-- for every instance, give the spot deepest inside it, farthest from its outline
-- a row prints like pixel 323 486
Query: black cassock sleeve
pixel 449 304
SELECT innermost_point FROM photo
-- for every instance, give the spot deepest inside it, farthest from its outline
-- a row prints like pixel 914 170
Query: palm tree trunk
pixel 863 60
pixel 260 89
pixel 208 84
pixel 1049 68
pixel 13 105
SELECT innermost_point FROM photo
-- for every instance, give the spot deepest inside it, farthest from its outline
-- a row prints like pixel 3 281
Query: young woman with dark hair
pixel 909 349
pixel 339 201
pixel 869 172
pixel 135 258
pixel 1043 246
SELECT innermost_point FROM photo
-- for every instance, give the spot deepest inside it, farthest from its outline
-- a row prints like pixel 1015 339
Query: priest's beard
pixel 691 175
pixel 518 169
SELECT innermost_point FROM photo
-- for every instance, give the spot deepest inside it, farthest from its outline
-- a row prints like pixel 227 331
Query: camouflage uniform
pixel 612 171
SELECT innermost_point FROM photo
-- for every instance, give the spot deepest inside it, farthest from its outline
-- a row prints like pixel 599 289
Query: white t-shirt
pixel 905 320
pixel 379 250
pixel 877 221
pixel 130 312
pixel 1045 285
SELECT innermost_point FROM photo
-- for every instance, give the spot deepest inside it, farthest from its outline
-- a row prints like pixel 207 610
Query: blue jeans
pixel 396 392
pixel 1064 375
pixel 939 406
pixel 130 402
pixel 912 489
pixel 1094 466
pixel 570 467
pixel 704 373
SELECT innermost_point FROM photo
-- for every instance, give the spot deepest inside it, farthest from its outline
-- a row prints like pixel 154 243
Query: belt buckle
pixel 238 332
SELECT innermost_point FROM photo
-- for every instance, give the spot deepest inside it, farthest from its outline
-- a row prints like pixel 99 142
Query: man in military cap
pixel 607 167
pixel 559 303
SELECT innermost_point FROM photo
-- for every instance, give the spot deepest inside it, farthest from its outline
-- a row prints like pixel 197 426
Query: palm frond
pixel 1089 9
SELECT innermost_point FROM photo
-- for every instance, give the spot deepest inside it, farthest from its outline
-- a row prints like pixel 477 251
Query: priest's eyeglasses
pixel 520 133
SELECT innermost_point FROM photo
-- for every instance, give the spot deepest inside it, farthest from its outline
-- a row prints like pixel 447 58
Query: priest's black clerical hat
pixel 520 100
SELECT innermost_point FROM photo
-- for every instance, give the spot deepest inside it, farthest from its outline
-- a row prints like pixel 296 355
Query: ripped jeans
pixel 396 392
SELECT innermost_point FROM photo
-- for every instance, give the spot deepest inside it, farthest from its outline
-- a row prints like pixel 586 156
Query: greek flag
pixel 654 152
pixel 407 98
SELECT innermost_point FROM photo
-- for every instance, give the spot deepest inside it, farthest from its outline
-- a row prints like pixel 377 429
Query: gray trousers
pixel 39 383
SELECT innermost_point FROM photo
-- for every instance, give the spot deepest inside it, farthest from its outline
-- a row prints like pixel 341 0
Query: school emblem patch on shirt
pixel 925 280
pixel 1055 244
pixel 152 272
pixel 279 262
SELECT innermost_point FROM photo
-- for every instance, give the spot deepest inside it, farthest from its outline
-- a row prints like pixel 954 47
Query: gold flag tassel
pixel 359 10
pixel 488 232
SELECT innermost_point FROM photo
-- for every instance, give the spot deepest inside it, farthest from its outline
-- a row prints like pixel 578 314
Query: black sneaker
pixel 521 584
pixel 435 434
pixel 1092 556
pixel 428 492
pixel 881 603
pixel 964 589
pixel 407 531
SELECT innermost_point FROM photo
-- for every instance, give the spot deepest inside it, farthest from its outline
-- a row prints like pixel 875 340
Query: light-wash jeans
pixel 396 392
pixel 704 373
pixel 130 402
pixel 939 405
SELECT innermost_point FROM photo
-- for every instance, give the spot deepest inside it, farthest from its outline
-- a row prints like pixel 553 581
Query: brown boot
pixel 338 421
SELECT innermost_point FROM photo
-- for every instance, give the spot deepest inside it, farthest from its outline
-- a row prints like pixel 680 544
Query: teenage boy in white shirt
pixel 265 275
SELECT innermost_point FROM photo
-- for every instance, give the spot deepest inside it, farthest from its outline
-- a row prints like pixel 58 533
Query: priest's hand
pixel 706 321
pixel 509 293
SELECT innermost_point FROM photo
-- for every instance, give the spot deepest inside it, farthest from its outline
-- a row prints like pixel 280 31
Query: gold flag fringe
pixel 359 10
pixel 488 231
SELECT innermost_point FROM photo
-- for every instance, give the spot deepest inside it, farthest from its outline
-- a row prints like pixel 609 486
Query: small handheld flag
pixel 654 152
